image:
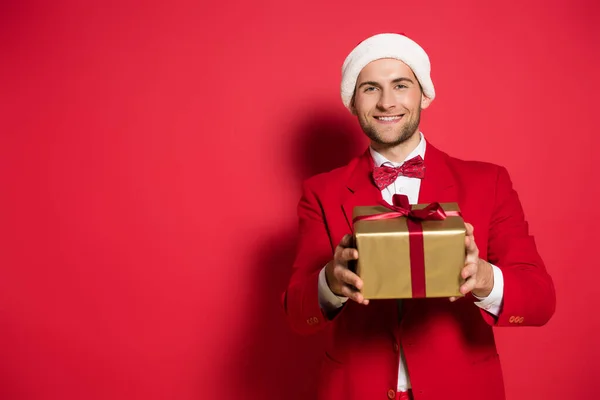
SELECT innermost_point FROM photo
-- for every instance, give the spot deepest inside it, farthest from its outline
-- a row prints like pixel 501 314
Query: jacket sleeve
pixel 529 295
pixel 301 298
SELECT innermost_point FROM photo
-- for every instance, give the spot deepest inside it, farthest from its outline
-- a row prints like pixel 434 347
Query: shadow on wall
pixel 324 142
pixel 275 362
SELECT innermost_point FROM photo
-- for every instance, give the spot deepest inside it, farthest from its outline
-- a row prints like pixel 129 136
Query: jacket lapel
pixel 438 184
pixel 361 190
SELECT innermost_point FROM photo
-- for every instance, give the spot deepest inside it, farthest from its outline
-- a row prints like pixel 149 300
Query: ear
pixel 352 107
pixel 425 101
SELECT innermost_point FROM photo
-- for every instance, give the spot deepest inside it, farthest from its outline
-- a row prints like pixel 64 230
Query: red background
pixel 151 158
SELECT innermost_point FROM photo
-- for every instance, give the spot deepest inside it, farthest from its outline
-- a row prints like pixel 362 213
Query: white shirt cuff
pixel 493 302
pixel 328 300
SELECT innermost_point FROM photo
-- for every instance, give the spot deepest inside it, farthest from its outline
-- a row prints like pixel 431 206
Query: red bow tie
pixel 385 176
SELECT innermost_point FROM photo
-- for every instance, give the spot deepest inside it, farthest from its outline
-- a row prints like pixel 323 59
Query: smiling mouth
pixel 389 118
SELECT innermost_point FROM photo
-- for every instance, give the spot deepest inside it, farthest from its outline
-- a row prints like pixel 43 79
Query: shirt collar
pixel 379 160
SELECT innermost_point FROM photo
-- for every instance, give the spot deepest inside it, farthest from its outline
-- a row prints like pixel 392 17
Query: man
pixel 420 348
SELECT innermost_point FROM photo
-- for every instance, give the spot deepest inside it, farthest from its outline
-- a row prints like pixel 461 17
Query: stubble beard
pixel 406 132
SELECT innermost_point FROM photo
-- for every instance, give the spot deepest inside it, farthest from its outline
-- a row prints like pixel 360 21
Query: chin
pixel 391 140
pixel 387 137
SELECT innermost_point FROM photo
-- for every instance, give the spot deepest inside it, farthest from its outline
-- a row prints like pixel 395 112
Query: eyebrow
pixel 377 84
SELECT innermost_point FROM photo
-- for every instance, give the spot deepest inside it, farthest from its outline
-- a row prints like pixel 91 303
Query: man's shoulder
pixel 473 168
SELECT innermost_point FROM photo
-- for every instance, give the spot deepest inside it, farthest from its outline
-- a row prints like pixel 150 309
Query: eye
pixel 370 89
pixel 401 86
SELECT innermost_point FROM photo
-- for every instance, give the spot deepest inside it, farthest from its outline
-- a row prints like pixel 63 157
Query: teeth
pixel 388 118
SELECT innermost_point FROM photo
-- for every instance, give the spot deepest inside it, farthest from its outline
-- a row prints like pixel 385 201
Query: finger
pixel 338 253
pixel 471 250
pixel 468 271
pixel 346 241
pixel 472 257
pixel 349 254
pixel 348 277
pixel 353 294
pixel 470 229
pixel 468 286
pixel 470 243
pixel 453 298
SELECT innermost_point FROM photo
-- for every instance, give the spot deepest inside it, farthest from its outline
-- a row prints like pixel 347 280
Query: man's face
pixel 388 102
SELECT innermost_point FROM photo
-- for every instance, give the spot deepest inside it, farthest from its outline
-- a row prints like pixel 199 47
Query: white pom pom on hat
pixel 386 45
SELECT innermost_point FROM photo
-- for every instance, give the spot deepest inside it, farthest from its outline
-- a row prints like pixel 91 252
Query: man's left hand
pixel 478 274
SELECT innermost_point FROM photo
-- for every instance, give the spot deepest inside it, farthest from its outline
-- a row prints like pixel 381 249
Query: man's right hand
pixel 340 279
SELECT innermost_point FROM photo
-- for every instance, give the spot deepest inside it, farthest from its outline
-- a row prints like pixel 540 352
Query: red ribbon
pixel 401 208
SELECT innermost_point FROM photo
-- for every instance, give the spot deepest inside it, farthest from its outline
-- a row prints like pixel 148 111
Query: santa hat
pixel 386 45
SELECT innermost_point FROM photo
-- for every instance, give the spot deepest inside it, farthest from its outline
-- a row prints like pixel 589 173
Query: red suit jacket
pixel 449 347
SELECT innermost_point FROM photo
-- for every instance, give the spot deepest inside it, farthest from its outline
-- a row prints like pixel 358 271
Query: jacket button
pixel 391 394
pixel 396 347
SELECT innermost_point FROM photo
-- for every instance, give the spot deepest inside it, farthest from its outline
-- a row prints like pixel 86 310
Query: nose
pixel 386 100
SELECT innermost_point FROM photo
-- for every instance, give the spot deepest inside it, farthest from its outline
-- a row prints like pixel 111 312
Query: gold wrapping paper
pixel 384 254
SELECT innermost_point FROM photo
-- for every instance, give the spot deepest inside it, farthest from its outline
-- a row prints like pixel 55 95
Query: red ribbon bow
pixel 401 208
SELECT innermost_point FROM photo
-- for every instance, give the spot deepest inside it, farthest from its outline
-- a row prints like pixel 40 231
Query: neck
pixel 399 152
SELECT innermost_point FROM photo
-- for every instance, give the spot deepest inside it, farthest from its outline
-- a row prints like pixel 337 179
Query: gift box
pixel 409 251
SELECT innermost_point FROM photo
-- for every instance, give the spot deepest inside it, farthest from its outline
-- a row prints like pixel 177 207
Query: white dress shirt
pixel 409 187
